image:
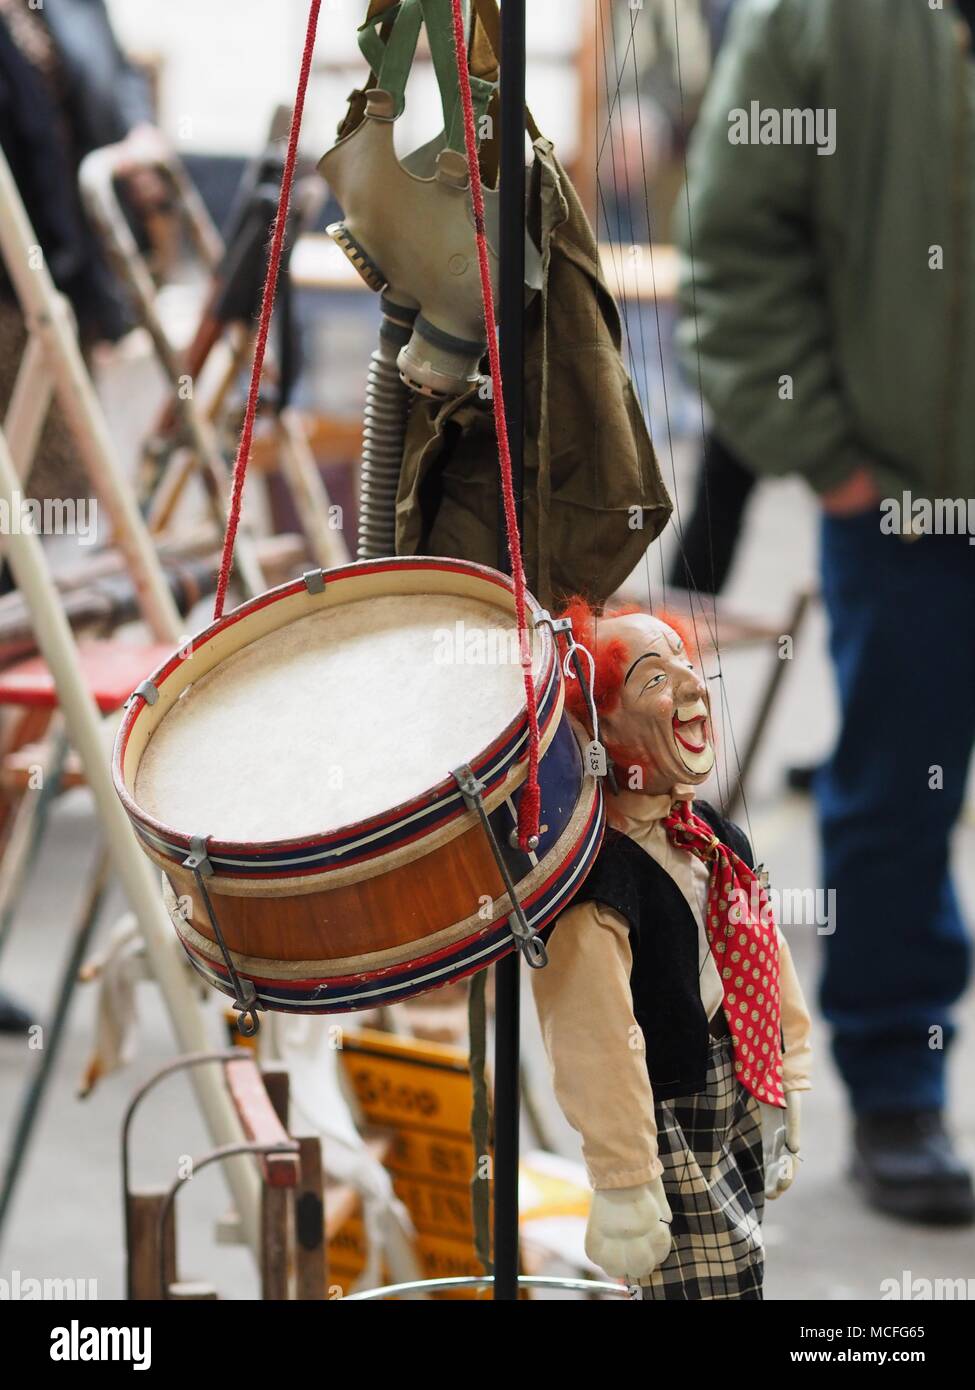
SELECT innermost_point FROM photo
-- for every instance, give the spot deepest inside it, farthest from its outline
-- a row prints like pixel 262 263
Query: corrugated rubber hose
pixel 384 430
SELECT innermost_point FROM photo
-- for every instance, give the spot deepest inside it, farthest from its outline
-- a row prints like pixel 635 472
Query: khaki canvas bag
pixel 594 498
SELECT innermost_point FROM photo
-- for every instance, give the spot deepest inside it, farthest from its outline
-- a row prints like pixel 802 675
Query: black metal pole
pixel 507 1011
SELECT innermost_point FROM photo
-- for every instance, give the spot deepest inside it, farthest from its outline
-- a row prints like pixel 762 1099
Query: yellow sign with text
pixel 420 1094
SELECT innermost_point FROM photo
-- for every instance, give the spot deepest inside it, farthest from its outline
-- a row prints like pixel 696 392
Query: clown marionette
pixel 673 1020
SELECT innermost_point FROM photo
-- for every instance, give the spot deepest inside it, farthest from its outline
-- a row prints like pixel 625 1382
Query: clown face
pixel 662 720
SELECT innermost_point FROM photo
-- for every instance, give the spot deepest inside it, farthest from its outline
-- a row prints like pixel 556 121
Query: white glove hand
pixel 629 1232
pixel 782 1149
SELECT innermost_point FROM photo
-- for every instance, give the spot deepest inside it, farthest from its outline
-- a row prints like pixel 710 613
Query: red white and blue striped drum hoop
pixel 404 899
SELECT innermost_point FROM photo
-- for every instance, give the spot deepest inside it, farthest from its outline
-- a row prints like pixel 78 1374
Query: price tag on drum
pixel 595 759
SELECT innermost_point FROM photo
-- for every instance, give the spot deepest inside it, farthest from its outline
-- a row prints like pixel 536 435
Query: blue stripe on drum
pixel 386 837
pixel 560 775
pixel 417 979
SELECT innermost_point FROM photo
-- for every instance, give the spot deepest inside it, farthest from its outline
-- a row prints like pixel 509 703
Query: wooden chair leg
pixel 275 1243
pixel 142 1238
pixel 311 1274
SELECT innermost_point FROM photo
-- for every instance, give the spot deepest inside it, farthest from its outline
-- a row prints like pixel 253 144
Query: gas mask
pixel 411 237
pixel 408 228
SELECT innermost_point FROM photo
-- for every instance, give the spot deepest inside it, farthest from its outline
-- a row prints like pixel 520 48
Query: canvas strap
pixel 485 51
pixel 388 40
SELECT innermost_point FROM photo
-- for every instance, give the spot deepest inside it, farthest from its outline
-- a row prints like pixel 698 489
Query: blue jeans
pixel 902 636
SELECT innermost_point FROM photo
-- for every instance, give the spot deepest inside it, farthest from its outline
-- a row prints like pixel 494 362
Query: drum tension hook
pixel 147 690
pixel 562 627
pixel 529 943
pixel 245 995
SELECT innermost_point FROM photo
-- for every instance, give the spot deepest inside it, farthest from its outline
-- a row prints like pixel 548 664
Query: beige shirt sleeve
pixel 595 1046
pixel 796 1024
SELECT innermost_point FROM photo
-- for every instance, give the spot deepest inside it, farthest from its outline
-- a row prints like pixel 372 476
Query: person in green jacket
pixel 828 299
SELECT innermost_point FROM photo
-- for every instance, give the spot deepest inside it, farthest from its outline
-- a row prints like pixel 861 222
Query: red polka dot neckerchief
pixel 745 947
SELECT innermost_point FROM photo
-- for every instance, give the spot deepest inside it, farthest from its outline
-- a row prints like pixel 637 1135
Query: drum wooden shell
pixel 397 904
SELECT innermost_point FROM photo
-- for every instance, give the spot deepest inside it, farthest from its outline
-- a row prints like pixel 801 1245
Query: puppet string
pixel 264 322
pixel 529 808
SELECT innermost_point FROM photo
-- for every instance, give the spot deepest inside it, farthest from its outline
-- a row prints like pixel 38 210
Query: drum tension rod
pixel 245 995
pixel 562 627
pixel 530 944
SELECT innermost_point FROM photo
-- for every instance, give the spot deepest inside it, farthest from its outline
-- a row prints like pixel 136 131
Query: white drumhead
pixel 337 717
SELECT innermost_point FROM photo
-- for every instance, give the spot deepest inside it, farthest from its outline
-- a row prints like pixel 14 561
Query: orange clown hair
pixel 608 653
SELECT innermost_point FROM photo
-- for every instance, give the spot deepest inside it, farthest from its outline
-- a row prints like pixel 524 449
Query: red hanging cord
pixel 530 806
pixel 529 809
pixel 264 323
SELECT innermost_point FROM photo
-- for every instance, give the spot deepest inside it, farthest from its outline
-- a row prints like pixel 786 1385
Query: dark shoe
pixel 801 777
pixel 13 1019
pixel 906 1165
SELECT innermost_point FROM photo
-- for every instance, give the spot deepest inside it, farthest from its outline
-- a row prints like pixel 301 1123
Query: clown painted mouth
pixel 692 734
pixel 693 739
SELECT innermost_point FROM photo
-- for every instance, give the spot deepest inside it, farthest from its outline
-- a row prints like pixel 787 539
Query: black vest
pixel 664 980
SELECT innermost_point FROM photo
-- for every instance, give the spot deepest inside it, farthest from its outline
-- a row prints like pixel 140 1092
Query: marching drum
pixel 329 778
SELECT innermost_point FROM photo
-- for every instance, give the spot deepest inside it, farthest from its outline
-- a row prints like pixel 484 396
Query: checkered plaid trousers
pixel 714 1176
